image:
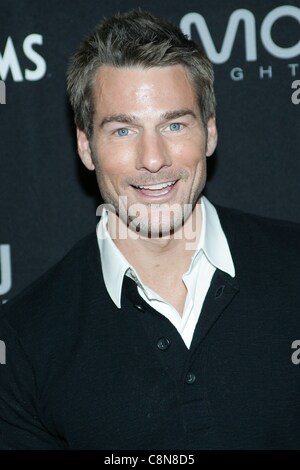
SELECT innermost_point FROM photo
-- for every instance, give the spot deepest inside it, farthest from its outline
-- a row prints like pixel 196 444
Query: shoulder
pixel 51 297
pixel 250 229
pixel 263 250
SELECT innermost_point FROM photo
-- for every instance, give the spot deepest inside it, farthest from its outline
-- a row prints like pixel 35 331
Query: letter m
pixel 197 20
pixel 9 61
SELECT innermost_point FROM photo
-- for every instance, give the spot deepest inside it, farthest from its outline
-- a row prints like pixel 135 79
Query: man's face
pixel 149 144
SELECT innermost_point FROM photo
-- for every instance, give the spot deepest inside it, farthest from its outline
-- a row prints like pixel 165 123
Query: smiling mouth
pixel 156 190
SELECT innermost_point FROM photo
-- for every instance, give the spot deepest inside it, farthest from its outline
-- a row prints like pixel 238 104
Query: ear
pixel 84 150
pixel 212 136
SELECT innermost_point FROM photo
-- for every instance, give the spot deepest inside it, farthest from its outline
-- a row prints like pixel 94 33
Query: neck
pixel 154 258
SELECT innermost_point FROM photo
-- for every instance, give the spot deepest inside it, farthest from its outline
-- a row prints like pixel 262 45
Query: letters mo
pixel 5 269
pixel 248 19
pixel 2 92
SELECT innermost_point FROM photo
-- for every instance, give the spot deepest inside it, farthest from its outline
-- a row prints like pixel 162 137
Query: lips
pixel 156 190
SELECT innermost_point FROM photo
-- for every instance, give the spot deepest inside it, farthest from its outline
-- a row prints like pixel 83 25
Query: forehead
pixel 137 89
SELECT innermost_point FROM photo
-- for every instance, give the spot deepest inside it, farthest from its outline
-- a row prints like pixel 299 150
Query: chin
pixel 163 227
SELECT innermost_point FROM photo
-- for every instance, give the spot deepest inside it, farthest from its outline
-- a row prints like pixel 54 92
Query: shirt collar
pixel 114 264
pixel 212 242
pixel 213 239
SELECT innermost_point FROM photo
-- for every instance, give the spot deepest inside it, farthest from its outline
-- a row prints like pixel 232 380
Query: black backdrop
pixel 48 200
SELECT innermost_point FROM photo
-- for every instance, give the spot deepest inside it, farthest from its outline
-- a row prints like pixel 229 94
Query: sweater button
pixel 163 344
pixel 190 378
pixel 139 307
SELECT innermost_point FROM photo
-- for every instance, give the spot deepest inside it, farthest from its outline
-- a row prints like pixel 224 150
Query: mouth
pixel 156 190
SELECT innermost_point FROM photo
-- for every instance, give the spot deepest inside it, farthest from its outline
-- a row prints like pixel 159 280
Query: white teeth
pixel 157 186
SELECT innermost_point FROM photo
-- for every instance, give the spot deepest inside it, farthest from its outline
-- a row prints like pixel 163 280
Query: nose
pixel 152 154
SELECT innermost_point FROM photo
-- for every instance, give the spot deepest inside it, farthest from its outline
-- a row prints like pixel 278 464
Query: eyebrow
pixel 131 119
pixel 124 118
pixel 177 113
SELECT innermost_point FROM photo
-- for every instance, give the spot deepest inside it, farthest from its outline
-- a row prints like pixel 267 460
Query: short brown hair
pixel 133 39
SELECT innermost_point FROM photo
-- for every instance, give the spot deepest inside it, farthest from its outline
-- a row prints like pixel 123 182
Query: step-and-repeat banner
pixel 48 200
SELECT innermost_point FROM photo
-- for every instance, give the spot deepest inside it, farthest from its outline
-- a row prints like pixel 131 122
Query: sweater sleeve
pixel 20 424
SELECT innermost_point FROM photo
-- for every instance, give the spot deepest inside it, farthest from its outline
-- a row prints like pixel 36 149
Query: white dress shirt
pixel 212 252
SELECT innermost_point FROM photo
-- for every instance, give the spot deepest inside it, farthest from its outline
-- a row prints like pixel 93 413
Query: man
pixel 173 328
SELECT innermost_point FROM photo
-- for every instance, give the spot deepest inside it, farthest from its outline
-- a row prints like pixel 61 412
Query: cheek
pixel 114 161
pixel 189 153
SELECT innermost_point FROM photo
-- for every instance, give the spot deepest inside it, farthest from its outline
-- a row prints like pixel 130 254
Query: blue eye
pixel 175 126
pixel 122 132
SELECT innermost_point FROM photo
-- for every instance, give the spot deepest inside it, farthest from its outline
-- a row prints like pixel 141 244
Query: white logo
pixel 5 269
pixel 248 19
pixel 296 354
pixel 9 60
